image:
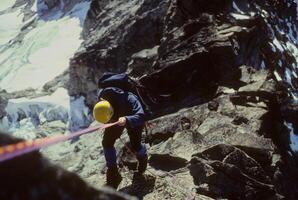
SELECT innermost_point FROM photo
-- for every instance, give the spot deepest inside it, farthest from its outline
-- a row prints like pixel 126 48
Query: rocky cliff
pixel 231 66
pixel 227 127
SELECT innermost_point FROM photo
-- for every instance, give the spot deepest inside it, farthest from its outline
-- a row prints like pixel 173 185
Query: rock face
pixel 228 70
pixel 233 147
pixel 34 177
pixel 121 29
pixel 229 172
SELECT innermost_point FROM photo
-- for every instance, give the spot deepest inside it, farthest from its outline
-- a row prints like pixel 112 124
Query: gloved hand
pixel 121 121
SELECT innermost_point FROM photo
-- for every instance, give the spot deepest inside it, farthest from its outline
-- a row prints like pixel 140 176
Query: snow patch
pixel 25 114
pixel 5 4
pixel 263 66
pixel 80 11
pixel 277 76
pixel 288 77
pixel 237 8
pixel 27 130
pixel 293 138
pixel 33 108
pixel 278 45
pixel 293 49
pixel 296 9
pixel 294 96
pixel 45 51
pixel 10 25
pixel 240 16
pixel 146 53
pixel 272 47
pixel 79 114
pixel 44 54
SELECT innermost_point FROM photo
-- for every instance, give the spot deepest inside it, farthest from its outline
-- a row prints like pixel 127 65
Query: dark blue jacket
pixel 125 104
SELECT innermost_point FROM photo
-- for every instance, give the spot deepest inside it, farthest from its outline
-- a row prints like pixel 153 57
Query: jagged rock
pixel 51 3
pixel 239 120
pixel 181 145
pixel 107 48
pixel 141 62
pixel 228 172
pixel 231 155
pixel 141 185
pixel 213 105
pixel 59 81
pixel 3 103
pixel 238 54
pixel 32 176
pixel 48 128
pixel 289 109
pixel 166 162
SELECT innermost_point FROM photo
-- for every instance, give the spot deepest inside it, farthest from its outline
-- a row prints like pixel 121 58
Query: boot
pixel 113 177
pixel 143 161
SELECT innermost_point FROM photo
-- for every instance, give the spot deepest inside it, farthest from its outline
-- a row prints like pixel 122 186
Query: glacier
pixel 34 50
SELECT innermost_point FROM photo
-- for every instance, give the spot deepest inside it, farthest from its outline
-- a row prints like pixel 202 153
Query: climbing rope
pixel 190 195
pixel 14 150
pixel 11 151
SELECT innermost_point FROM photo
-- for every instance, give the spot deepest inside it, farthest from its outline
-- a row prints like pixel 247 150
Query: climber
pixel 116 104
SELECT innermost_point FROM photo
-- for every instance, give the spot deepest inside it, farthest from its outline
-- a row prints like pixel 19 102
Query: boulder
pixel 32 176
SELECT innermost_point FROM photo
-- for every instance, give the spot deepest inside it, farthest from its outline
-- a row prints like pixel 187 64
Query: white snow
pixel 10 25
pixel 277 76
pixel 293 49
pixel 146 53
pixel 44 52
pixel 293 138
pixel 288 76
pixel 41 55
pixel 240 16
pixel 34 108
pixel 26 131
pixel 80 11
pixel 296 9
pixel 263 66
pixel 5 4
pixel 237 8
pixel 26 114
pixel 273 47
pixel 290 34
pixel 295 98
pixel 278 45
pixel 294 74
pixel 79 114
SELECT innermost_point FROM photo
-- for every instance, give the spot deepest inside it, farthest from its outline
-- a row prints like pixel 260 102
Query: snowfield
pixel 34 52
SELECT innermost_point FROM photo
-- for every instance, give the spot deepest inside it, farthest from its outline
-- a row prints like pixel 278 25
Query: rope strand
pixel 11 151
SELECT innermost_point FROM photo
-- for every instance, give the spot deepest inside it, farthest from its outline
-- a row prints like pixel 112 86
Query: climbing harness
pixel 11 151
pixel 190 195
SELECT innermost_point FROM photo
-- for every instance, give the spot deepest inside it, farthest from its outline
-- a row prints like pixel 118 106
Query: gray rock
pixel 226 171
pixel 107 48
pixel 51 3
pixel 39 178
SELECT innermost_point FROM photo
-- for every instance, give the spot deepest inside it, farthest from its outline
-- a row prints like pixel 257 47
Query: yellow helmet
pixel 103 111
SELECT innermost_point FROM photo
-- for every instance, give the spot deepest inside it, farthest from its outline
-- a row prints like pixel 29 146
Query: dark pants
pixel 113 133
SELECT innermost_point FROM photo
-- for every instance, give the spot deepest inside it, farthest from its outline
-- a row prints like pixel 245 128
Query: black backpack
pixel 124 82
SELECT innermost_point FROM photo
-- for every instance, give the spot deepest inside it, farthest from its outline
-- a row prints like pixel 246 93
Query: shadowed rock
pixel 226 171
pixel 32 176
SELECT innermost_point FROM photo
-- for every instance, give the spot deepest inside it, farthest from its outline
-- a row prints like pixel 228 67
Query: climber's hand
pixel 121 121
